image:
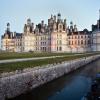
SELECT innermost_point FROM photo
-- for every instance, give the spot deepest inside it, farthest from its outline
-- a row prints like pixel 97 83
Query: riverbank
pixel 17 84
pixel 20 64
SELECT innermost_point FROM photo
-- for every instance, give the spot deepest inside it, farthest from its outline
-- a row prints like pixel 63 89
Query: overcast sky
pixel 83 13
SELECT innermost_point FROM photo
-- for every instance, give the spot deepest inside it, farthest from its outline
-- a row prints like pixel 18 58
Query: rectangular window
pixel 72 42
pixel 60 48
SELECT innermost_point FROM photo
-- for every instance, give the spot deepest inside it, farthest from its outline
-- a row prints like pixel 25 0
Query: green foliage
pixel 7 67
pixel 13 55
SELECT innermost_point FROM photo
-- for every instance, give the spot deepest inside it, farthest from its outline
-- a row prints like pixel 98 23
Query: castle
pixel 56 36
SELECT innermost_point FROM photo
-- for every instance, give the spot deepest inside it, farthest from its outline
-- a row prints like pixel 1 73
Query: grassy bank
pixel 21 65
pixel 13 55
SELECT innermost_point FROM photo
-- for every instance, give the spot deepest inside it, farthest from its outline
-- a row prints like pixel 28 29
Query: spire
pixel 75 28
pixel 71 23
pixel 99 14
pixel 71 26
pixel 59 16
pixel 51 16
pixel 8 27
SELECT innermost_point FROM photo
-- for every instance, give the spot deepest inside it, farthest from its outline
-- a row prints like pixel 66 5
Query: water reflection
pixel 69 87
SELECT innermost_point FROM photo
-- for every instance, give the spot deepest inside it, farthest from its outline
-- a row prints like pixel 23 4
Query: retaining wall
pixel 15 83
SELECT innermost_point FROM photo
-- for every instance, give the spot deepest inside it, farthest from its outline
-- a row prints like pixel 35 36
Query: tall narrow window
pixel 60 48
pixel 81 41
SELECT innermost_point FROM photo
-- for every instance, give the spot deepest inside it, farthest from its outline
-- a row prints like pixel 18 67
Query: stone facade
pixel 79 41
pixel 96 36
pixel 55 36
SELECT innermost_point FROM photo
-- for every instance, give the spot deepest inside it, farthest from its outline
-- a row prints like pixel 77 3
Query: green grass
pixel 26 64
pixel 13 55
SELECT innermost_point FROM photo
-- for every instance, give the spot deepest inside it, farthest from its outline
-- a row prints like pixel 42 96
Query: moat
pixel 72 86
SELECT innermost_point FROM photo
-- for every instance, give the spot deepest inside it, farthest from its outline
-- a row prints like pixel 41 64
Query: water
pixel 72 86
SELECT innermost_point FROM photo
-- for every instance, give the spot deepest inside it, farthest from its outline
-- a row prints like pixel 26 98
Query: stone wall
pixel 15 83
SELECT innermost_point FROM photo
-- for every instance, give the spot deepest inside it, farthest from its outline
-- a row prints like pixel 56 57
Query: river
pixel 72 86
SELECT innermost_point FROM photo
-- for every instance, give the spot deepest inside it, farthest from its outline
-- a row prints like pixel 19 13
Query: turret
pixel 51 16
pixel 8 27
pixel 37 29
pixel 75 28
pixel 54 18
pixel 28 21
pixel 42 23
pixel 65 25
pixel 59 17
pixel 25 28
pixel 71 26
pixel 32 27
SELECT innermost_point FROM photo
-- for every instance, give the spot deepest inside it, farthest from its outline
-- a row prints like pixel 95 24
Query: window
pixel 88 41
pixel 41 43
pixel 60 48
pixel 60 42
pixel 72 42
pixel 81 36
pixel 45 48
pixel 57 48
pixel 81 41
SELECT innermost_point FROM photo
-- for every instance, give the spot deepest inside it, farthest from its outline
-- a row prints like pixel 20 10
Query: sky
pixel 83 13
